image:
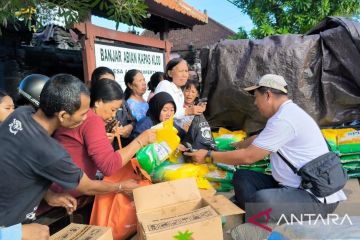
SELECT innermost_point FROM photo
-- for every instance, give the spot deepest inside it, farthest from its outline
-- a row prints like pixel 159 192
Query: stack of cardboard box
pixel 177 210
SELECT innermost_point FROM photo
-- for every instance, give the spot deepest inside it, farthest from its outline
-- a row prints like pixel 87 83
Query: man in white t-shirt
pixel 292 132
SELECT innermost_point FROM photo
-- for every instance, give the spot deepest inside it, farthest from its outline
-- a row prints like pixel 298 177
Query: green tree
pixel 292 16
pixel 121 11
pixel 241 34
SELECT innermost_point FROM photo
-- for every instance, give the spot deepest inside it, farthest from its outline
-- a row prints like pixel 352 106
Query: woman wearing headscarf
pixel 161 108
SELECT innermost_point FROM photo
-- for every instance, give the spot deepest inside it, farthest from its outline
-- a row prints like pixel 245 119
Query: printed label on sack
pixel 227 136
pixel 163 150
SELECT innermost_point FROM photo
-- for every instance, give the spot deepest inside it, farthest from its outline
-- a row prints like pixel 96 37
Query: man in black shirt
pixel 31 160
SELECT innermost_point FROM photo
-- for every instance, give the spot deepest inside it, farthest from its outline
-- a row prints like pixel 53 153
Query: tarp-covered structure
pixel 322 69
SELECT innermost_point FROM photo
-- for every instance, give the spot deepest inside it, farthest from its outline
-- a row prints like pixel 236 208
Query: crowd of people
pixel 59 137
pixel 54 145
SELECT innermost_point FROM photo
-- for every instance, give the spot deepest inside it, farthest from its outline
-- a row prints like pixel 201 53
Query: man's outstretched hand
pixel 61 200
pixel 198 156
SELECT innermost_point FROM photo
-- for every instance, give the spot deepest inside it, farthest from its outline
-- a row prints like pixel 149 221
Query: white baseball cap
pixel 271 81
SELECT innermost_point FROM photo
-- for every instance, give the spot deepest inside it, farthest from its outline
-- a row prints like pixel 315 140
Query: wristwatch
pixel 208 158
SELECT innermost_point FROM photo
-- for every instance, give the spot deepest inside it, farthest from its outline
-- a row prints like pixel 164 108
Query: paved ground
pixel 351 206
pixel 226 229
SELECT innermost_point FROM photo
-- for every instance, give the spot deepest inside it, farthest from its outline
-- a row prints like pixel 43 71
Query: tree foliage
pixel 292 16
pixel 241 34
pixel 121 11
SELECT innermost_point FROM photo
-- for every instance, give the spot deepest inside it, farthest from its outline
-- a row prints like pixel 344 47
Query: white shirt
pixel 176 93
pixel 297 136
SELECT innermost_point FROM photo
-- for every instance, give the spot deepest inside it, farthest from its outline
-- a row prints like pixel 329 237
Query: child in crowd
pixel 191 96
pixel 191 93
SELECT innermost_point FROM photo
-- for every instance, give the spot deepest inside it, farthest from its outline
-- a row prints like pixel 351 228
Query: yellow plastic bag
pixel 343 141
pixel 166 132
pixel 167 140
pixel 238 135
pixel 167 172
pixel 331 137
pixel 224 138
pixel 349 140
pixel 186 170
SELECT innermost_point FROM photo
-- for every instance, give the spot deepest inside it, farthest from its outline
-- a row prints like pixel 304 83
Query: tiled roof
pixel 184 8
pixel 164 15
pixel 200 36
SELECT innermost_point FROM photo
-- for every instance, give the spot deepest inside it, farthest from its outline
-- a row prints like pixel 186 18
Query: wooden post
pixel 88 53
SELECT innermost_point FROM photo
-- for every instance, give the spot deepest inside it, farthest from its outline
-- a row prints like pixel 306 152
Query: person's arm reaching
pixel 101 151
pixel 245 156
pixel 128 152
pixel 95 187
pixel 65 173
pixel 244 144
pixel 275 134
pixel 61 200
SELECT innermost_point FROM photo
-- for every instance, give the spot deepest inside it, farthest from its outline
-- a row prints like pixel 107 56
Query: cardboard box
pixel 83 232
pixel 207 193
pixel 231 215
pixel 177 210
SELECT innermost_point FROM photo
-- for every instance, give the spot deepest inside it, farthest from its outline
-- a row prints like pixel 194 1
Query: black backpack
pixel 199 135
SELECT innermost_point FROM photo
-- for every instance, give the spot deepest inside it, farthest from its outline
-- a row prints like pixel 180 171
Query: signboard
pixel 120 59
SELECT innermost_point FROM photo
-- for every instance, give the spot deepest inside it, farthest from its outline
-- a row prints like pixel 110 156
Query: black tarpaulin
pixel 322 69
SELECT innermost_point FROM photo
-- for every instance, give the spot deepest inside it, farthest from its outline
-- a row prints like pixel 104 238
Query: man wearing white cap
pixel 290 131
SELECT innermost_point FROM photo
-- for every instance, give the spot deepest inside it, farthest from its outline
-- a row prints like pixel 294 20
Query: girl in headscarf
pixel 161 108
